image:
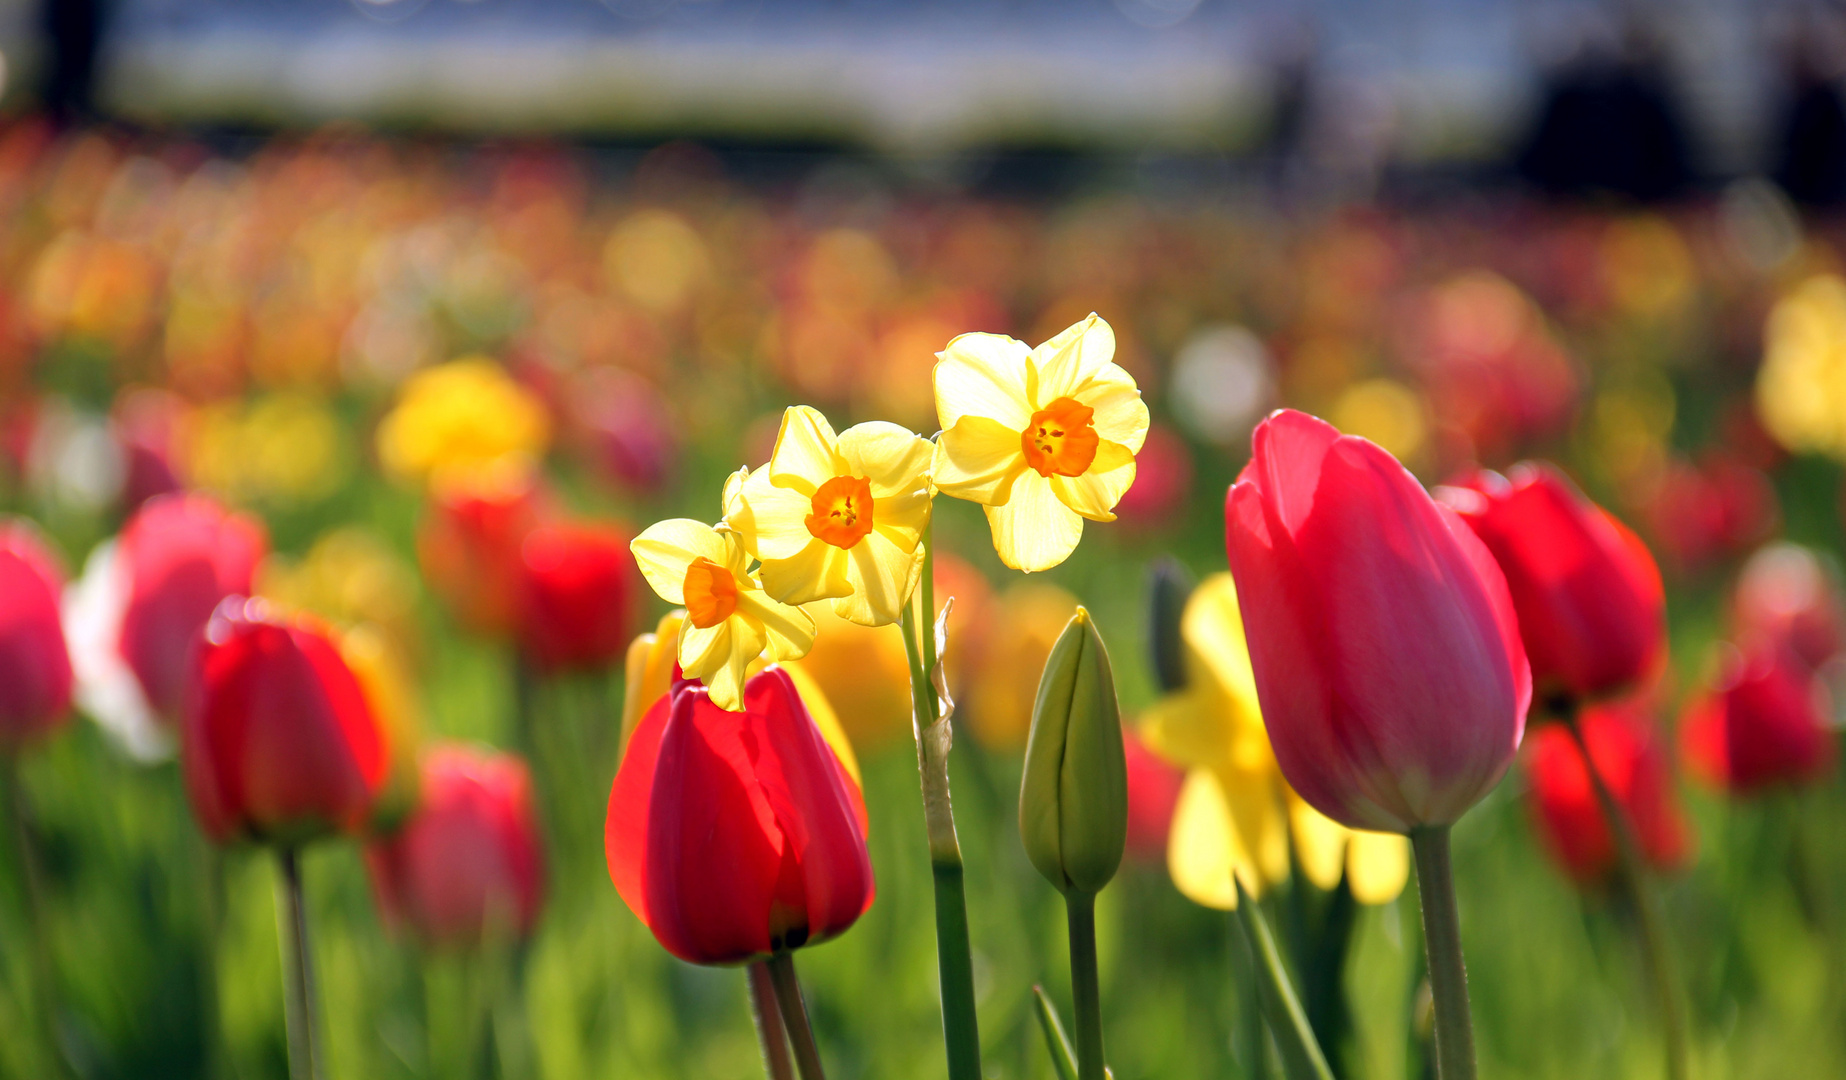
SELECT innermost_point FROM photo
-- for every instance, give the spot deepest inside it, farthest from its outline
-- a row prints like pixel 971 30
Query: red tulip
pixel 279 741
pixel 1153 792
pixel 469 862
pixel 734 835
pixel 577 586
pixel 178 557
pixel 1631 756
pixel 1591 609
pixel 35 666
pixel 1764 723
pixel 1787 598
pixel 1163 480
pixel 468 546
pixel 1387 657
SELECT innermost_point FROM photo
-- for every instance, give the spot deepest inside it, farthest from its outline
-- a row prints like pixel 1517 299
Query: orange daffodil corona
pixel 1042 438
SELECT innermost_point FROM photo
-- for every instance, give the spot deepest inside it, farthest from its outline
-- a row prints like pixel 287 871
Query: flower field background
pixel 262 323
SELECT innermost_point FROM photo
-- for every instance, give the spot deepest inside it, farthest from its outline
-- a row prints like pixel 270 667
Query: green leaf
pixel 1301 1056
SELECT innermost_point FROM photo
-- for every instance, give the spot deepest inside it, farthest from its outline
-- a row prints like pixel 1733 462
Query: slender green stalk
pixel 32 871
pixel 1249 1037
pixel 1639 882
pixel 955 965
pixel 1288 1024
pixel 1448 976
pixel 795 1016
pixel 769 1029
pixel 297 970
pixel 1063 1058
pixel 1084 985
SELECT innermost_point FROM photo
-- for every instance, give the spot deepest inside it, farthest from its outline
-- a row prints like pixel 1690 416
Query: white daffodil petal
pixel 815 572
pixel 1071 358
pixel 665 548
pixel 978 459
pixel 788 631
pixel 982 375
pixel 1095 493
pixel 1120 415
pixel 1033 530
pixel 805 457
pixel 773 520
pixel 893 458
pixel 883 577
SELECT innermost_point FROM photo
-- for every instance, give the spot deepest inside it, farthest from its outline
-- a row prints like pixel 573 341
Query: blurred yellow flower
pixel 1236 813
pixel 351 576
pixel 1023 624
pixel 729 620
pixel 385 680
pixel 1801 387
pixel 837 517
pixel 279 448
pixel 1042 438
pixel 864 672
pixel 460 415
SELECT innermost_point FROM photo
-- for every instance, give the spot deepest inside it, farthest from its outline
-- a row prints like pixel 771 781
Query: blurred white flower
pixel 106 687
pixel 1222 383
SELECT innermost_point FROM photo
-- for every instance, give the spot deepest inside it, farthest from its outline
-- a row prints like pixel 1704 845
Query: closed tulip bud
pixel 1073 800
pixel 468 865
pixel 577 586
pixel 736 835
pixel 279 739
pixel 35 667
pixel 1764 723
pixel 1385 649
pixel 1586 590
pixel 1632 758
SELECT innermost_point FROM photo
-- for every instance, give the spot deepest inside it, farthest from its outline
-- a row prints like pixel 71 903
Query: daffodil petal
pixel 703 649
pixel 733 487
pixel 789 630
pixel 1258 814
pixel 1202 848
pixel 1119 414
pixel 1320 843
pixel 1377 866
pixel 883 576
pixel 804 456
pixel 1188 728
pixel 665 548
pixel 815 572
pixel 983 375
pixel 1095 493
pixel 1032 530
pixel 901 519
pixel 895 459
pixel 978 459
pixel 772 520
pixel 1070 359
pixel 1212 627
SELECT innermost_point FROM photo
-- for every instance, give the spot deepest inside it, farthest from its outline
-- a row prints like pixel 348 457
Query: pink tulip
pixel 35 667
pixel 1387 657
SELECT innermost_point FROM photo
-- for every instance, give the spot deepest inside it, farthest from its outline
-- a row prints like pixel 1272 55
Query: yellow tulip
pixel 1801 387
pixel 1042 438
pixel 461 415
pixel 1236 814
pixel 837 517
pixel 729 620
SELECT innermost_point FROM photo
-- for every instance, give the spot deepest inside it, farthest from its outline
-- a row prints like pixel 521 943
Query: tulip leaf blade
pixel 1288 1023
pixel 1063 1058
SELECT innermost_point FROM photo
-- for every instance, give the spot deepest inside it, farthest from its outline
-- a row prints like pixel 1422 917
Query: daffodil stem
pixel 954 958
pixel 1640 885
pixel 769 1029
pixel 1448 976
pixel 795 1016
pixel 1085 988
pixel 297 970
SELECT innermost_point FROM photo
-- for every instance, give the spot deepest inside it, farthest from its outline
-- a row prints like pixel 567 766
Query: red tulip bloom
pixel 734 835
pixel 577 586
pixel 1153 792
pixel 468 546
pixel 279 741
pixel 469 862
pixel 177 558
pixel 1591 609
pixel 1765 723
pixel 1387 656
pixel 1787 598
pixel 1631 756
pixel 35 666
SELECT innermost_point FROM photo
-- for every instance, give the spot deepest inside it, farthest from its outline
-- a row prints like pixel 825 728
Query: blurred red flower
pixel 1153 792
pixel 576 595
pixel 1787 598
pixel 35 667
pixel 469 546
pixel 1632 757
pixel 1765 722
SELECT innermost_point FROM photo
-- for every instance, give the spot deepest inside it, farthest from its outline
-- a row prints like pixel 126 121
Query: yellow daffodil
pixel 458 416
pixel 837 517
pixel 729 620
pixel 1042 438
pixel 1801 387
pixel 1236 814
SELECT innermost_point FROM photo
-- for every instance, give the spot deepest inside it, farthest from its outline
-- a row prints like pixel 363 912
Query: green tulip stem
pixel 1640 885
pixel 1084 985
pixel 954 958
pixel 32 873
pixel 769 1029
pixel 297 970
pixel 1448 976
pixel 795 1015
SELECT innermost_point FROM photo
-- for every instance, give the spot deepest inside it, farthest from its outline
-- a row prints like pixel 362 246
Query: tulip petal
pixel 978 459
pixel 665 548
pixel 625 829
pixel 893 458
pixel 818 571
pixel 1095 493
pixel 883 576
pixel 983 375
pixel 1062 365
pixel 1033 530
pixel 1377 866
pixel 804 456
